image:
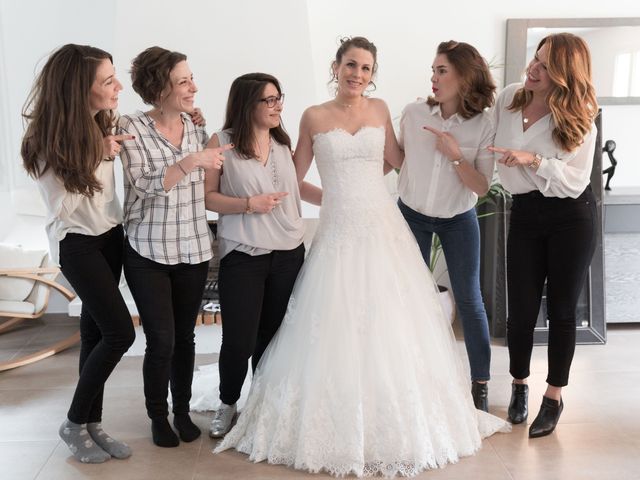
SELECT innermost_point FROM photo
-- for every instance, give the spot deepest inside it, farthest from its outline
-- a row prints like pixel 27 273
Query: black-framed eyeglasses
pixel 273 99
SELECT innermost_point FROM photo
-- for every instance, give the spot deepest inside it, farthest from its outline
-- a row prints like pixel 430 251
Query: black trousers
pixel 168 298
pixel 92 265
pixel 550 239
pixel 254 294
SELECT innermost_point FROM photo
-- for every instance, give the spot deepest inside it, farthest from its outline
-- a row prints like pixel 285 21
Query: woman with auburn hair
pixel 544 144
pixel 68 148
pixel 443 173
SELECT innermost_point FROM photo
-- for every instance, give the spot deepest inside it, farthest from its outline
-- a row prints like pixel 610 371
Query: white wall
pixel 293 39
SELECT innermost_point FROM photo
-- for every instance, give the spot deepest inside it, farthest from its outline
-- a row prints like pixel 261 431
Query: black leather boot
pixel 547 418
pixel 480 394
pixel 518 408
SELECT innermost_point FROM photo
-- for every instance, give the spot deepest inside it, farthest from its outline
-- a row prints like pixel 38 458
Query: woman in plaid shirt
pixel 168 241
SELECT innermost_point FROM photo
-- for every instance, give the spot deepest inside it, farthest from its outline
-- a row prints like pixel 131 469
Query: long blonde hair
pixel 572 99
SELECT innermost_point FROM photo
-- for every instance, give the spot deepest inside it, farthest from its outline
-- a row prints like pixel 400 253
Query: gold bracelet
pixel 181 168
pixel 537 158
pixel 248 210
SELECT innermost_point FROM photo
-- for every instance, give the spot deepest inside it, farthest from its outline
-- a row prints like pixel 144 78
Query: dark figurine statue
pixel 609 147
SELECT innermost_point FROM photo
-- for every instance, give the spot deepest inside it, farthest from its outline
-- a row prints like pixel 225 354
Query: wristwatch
pixel 456 162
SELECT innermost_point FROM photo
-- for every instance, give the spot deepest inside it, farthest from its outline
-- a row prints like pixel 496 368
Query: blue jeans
pixel 460 237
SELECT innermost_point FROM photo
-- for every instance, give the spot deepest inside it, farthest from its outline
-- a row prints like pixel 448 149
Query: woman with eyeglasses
pixel 260 231
pixel 168 245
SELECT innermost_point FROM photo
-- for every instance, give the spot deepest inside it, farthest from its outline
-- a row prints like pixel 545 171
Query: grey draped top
pixel 260 233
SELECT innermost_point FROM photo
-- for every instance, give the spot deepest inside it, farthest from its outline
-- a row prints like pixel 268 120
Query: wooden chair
pixel 34 306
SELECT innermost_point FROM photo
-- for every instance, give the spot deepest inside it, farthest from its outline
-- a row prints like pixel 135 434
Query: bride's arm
pixel 302 160
pixel 393 154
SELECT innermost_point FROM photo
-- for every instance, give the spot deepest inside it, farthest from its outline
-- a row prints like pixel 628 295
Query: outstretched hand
pixel 111 144
pixel 213 157
pixel 513 158
pixel 446 143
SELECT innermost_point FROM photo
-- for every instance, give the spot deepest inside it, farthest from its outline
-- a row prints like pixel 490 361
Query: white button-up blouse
pixel 560 174
pixel 428 181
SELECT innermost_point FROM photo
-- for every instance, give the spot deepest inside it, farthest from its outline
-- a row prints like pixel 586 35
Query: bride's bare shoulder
pixel 317 117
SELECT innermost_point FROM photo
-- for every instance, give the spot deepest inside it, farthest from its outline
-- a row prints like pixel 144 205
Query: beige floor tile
pixel 598 436
pixel 148 462
pixel 32 415
pixel 23 460
pixel 573 451
pixel 21 334
pixel 8 353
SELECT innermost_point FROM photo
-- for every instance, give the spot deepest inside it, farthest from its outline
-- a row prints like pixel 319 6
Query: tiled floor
pixel 598 436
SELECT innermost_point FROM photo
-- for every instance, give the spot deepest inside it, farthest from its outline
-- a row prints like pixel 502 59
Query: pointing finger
pixel 121 138
pixel 433 130
pixel 279 195
pixel 497 150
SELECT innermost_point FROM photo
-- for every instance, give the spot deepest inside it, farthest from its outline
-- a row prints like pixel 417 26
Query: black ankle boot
pixel 518 408
pixel 480 394
pixel 547 418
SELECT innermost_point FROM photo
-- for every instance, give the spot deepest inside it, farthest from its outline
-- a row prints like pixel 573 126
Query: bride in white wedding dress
pixel 363 376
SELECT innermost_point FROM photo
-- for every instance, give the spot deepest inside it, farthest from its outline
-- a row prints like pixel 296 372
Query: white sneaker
pixel 222 420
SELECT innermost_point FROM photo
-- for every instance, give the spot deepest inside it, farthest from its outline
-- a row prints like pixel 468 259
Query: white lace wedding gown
pixel 363 376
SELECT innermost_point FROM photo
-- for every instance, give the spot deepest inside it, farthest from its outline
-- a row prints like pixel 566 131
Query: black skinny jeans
pixel 168 298
pixel 92 265
pixel 550 239
pixel 254 294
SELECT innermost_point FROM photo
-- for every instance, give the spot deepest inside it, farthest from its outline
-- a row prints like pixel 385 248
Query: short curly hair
pixel 150 72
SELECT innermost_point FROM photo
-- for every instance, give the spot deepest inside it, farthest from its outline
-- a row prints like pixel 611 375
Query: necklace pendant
pixel 525 120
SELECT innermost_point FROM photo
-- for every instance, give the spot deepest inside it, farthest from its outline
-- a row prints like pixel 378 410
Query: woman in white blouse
pixel 444 171
pixel 168 245
pixel 68 148
pixel 545 140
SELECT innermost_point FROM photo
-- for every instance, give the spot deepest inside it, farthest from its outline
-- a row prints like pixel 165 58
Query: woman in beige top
pixel 260 231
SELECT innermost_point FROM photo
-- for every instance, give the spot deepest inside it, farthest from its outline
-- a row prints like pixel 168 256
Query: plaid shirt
pixel 166 227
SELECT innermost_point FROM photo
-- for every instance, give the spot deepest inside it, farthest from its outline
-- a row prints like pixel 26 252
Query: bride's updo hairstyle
pixel 354 42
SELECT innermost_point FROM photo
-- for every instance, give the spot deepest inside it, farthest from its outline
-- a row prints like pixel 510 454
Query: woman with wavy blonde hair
pixel 444 170
pixel 545 141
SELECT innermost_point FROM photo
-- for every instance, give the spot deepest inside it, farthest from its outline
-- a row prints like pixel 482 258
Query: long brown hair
pixel 572 99
pixel 61 133
pixel 244 96
pixel 477 87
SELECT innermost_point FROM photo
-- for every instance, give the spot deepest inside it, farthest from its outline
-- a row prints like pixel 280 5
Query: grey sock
pixel 77 438
pixel 109 444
